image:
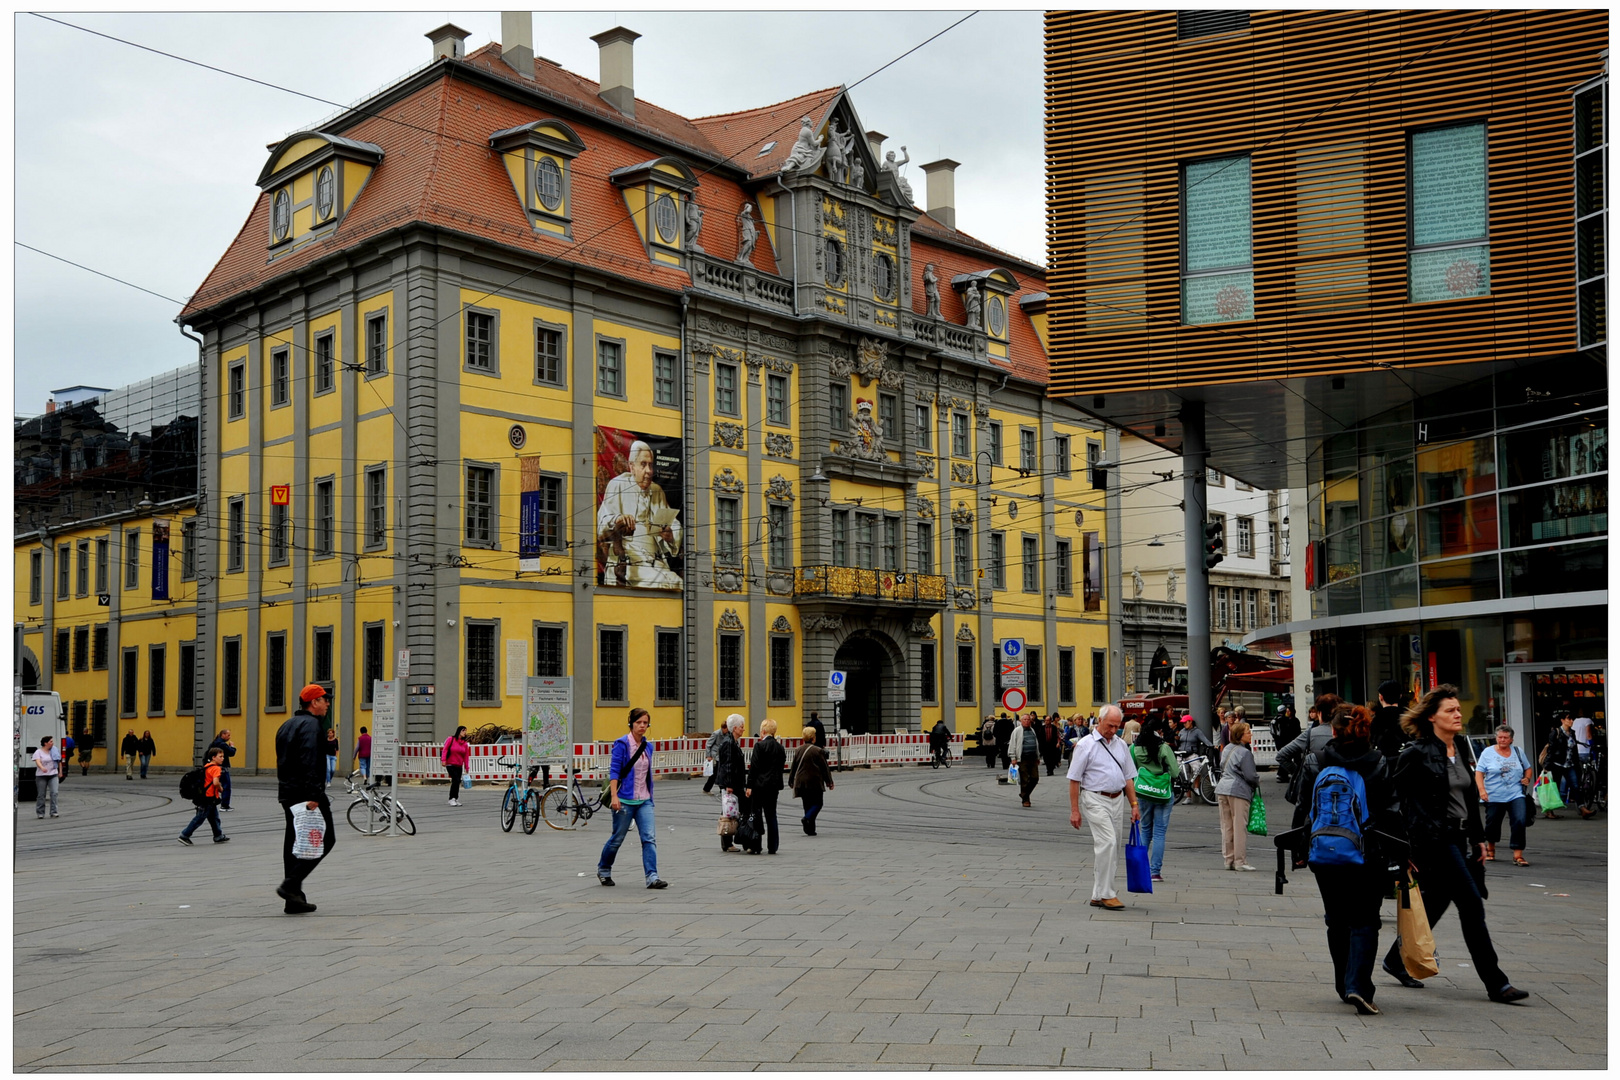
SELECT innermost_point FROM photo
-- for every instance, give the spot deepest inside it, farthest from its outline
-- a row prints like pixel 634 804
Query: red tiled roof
pixel 456 181
pixel 740 135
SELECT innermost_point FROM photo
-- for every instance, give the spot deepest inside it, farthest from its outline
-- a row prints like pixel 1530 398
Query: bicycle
pixel 564 806
pixel 942 756
pixel 519 798
pixel 1589 797
pixel 374 811
pixel 1194 777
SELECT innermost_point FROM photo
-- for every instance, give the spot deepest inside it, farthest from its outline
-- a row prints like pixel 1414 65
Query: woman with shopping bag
pixel 1434 781
pixel 1233 795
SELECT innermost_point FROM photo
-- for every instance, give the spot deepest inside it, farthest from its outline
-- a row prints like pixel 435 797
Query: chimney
pixel 618 82
pixel 942 191
pixel 448 40
pixel 50 406
pixel 874 139
pixel 517 41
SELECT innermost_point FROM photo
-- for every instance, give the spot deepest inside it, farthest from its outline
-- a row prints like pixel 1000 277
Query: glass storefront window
pixel 1561 568
pixel 1343 598
pixel 1386 486
pixel 1526 395
pixel 1465 653
pixel 1343 555
pixel 1388 542
pixel 1456 413
pixel 1394 589
pixel 1458 581
pixel 1450 472
pixel 1574 448
pixel 1555 512
pixel 1459 528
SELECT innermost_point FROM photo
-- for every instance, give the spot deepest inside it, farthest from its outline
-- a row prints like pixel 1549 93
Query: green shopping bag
pixel 1547 793
pixel 1257 814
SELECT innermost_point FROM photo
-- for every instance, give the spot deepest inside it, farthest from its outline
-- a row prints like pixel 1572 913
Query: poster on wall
pixel 640 490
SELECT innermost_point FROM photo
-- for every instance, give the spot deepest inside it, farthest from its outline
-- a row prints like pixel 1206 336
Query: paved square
pixel 932 923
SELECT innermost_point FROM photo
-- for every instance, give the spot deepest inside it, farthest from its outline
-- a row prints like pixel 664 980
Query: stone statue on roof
pixel 840 147
pixel 747 234
pixel 806 149
pixel 1170 585
pixel 1137 583
pixel 892 167
pixel 975 307
pixel 931 290
pixel 694 224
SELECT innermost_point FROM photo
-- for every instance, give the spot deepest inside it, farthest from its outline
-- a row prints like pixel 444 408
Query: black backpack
pixel 191 785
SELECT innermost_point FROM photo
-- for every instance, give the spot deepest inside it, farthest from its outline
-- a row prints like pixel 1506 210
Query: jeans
pixel 812 807
pixel 1515 810
pixel 331 767
pixel 642 815
pixel 224 789
pixel 365 767
pixel 207 810
pixel 1444 879
pixel 1351 900
pixel 765 803
pixel 294 869
pixel 44 785
pixel 1155 823
pixel 146 761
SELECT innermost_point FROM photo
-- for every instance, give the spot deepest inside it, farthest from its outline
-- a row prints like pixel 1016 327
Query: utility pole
pixel 1194 493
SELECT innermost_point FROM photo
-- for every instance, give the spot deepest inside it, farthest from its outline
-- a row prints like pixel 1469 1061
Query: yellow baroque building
pixel 525 376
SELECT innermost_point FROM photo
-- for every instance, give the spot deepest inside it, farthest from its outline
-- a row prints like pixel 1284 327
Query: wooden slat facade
pixel 1324 102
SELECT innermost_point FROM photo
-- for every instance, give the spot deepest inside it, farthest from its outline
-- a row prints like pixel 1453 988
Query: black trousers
pixel 1444 880
pixel 294 869
pixel 765 803
pixel 1352 900
pixel 1029 774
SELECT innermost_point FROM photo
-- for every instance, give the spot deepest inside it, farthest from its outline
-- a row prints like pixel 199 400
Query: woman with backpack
pixel 455 755
pixel 1353 879
pixel 1440 807
pixel 1155 768
pixel 1504 774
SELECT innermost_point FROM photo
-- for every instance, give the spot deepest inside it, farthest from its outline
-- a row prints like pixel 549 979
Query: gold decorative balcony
pixel 825 582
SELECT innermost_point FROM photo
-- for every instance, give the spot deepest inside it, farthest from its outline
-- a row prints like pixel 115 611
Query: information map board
pixel 548 722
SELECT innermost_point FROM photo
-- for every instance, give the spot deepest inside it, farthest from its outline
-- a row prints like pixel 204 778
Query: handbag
pixel 1547 797
pixel 728 826
pixel 1257 814
pixel 1417 940
pixel 1138 874
pixel 309 832
pixel 1154 784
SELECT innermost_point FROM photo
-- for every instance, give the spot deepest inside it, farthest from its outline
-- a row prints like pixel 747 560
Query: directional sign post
pixel 1013 663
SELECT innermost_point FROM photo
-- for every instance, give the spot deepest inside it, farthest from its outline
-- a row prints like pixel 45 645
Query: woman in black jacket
pixel 1352 896
pixel 1434 781
pixel 731 770
pixel 765 781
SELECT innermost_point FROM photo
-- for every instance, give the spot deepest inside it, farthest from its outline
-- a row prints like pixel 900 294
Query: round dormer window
pixel 325 193
pixel 548 183
pixel 281 214
pixel 996 316
pixel 666 219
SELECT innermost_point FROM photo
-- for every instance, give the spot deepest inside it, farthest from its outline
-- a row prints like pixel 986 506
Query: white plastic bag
pixel 309 832
pixel 708 769
pixel 728 805
pixel 1012 773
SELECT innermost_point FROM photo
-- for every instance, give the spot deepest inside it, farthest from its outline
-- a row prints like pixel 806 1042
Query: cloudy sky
pixel 142 167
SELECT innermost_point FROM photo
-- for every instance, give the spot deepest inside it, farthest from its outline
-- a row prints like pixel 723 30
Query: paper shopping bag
pixel 1417 940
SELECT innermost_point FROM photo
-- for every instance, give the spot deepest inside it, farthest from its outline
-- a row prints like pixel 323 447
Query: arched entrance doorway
pixel 872 699
pixel 30 671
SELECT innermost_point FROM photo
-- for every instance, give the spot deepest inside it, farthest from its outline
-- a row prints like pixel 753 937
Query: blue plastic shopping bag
pixel 1138 875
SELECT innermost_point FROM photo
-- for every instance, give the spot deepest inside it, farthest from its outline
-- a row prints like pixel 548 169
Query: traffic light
pixel 1214 544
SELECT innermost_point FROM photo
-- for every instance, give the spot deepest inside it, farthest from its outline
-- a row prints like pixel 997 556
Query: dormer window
pixel 658 194
pixel 995 317
pixel 313 178
pixel 666 219
pixel 539 158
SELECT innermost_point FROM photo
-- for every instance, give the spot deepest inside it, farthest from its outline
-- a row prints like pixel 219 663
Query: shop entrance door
pixel 1536 691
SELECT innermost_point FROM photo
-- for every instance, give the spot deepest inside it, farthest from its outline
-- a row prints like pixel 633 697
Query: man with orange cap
pixel 301 778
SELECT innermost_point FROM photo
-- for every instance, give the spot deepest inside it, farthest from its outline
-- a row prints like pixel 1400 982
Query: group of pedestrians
pixel 132 748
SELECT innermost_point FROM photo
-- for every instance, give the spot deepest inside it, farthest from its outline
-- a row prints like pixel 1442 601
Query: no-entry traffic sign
pixel 1013 699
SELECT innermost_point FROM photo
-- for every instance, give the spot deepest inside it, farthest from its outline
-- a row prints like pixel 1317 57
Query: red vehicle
pixel 1230 671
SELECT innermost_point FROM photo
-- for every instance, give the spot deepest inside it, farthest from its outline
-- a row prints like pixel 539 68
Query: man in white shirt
pixel 1102 779
pixel 1583 735
pixel 47 775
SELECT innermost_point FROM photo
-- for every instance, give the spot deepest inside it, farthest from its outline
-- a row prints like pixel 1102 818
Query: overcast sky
pixel 142 167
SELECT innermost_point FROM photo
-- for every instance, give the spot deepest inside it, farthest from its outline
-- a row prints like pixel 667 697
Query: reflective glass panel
pixel 1459 528
pixel 1564 568
pixel 1460 580
pixel 1451 472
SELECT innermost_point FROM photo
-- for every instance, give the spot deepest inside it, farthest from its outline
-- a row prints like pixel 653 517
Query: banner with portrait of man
pixel 640 491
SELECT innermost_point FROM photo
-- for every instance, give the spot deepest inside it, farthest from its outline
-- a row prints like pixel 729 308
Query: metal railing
pixel 856 583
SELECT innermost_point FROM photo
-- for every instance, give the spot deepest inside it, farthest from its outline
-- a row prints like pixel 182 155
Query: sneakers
pixel 288 894
pixel 604 880
pixel 1509 994
pixel 455 802
pixel 660 883
pixel 227 809
pixel 1245 866
pixel 186 840
pixel 1158 877
pixel 222 839
pixel 298 907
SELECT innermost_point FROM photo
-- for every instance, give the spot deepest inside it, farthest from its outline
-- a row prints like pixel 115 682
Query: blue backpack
pixel 1339 816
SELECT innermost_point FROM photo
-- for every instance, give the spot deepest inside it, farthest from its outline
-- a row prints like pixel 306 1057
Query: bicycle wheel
pixel 531 811
pixel 557 808
pixel 1206 786
pixel 945 757
pixel 509 808
pixel 403 822
pixel 365 817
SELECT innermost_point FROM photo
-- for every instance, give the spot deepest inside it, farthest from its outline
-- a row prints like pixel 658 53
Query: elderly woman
pixel 1440 806
pixel 731 770
pixel 1234 793
pixel 809 776
pixel 1503 773
pixel 765 781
